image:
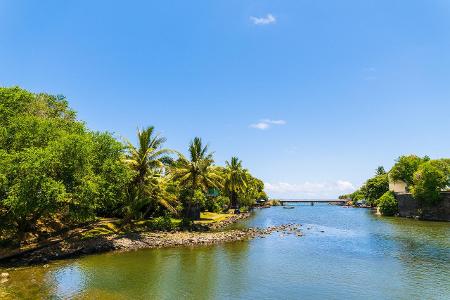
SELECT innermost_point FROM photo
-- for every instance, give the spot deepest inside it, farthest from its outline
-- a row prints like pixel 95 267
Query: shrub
pixel 217 204
pixel 161 224
pixel 387 204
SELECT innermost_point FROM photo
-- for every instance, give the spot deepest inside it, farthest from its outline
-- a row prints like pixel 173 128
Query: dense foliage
pixel 372 189
pixel 387 204
pixel 50 163
pixel 430 179
pixel 425 179
pixel 52 167
pixel 405 167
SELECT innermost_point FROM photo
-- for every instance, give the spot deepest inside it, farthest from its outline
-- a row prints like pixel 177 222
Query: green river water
pixel 346 253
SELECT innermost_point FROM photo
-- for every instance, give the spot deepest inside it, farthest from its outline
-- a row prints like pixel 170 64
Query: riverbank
pixel 205 232
pixel 133 241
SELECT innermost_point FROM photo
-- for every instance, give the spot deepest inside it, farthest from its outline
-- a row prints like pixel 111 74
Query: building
pixel 398 186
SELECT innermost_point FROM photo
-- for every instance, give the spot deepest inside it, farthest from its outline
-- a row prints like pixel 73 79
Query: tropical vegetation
pixel 424 178
pixel 53 169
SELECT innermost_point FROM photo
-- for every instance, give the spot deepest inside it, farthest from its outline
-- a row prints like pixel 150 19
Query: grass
pixel 211 217
pixel 105 226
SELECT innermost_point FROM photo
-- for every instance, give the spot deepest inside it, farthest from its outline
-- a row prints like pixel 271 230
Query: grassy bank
pixel 107 227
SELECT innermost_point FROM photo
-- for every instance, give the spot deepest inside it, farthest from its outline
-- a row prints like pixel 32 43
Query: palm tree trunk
pixel 233 200
pixel 147 210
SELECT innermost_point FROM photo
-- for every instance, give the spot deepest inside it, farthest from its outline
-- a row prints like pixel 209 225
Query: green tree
pixel 253 191
pixel 195 173
pixel 430 179
pixel 147 161
pixel 51 165
pixel 235 180
pixel 375 188
pixel 405 167
pixel 380 171
pixel 31 190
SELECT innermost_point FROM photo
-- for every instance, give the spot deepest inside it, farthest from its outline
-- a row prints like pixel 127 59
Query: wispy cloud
pixel 267 123
pixel 269 19
pixel 308 189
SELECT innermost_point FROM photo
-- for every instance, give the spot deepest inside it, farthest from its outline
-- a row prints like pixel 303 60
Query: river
pixel 345 253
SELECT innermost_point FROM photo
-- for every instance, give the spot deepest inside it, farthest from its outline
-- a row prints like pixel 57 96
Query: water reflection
pixel 191 273
pixel 67 281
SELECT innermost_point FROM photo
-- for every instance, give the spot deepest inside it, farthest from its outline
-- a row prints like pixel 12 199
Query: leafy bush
pixel 199 198
pixel 161 224
pixel 218 204
pixel 387 204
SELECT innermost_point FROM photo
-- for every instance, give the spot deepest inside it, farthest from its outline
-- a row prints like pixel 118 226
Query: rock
pixel 4 280
pixel 4 275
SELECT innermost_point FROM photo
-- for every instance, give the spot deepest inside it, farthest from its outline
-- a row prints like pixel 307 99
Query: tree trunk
pixel 235 200
pixel 192 212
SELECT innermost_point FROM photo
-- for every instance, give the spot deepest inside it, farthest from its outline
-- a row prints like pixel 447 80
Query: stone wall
pixel 410 207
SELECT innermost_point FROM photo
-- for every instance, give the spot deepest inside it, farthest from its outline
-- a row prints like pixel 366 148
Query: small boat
pixel 288 207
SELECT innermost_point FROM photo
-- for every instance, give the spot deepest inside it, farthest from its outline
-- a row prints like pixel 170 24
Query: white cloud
pixel 274 122
pixel 312 190
pixel 267 123
pixel 260 125
pixel 269 19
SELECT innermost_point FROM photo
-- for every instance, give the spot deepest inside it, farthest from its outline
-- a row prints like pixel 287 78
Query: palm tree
pixel 148 161
pixel 197 172
pixel 235 179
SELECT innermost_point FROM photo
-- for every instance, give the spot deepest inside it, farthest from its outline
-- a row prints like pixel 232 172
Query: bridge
pixel 312 201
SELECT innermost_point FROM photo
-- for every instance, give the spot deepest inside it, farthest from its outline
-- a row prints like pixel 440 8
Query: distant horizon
pixel 311 96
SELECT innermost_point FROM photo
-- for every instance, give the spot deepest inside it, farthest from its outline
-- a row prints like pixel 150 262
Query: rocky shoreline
pixel 145 240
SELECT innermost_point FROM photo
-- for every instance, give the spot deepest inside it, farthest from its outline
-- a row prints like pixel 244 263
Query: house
pixel 398 186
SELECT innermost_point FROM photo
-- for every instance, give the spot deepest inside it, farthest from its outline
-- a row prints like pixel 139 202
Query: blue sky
pixel 311 95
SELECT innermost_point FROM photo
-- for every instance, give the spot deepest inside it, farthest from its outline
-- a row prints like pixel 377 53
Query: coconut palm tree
pixel 196 173
pixel 148 161
pixel 235 179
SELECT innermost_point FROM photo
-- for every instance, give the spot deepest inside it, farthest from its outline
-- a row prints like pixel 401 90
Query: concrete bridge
pixel 312 201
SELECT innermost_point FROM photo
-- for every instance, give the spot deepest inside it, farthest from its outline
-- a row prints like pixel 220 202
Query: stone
pixel 4 275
